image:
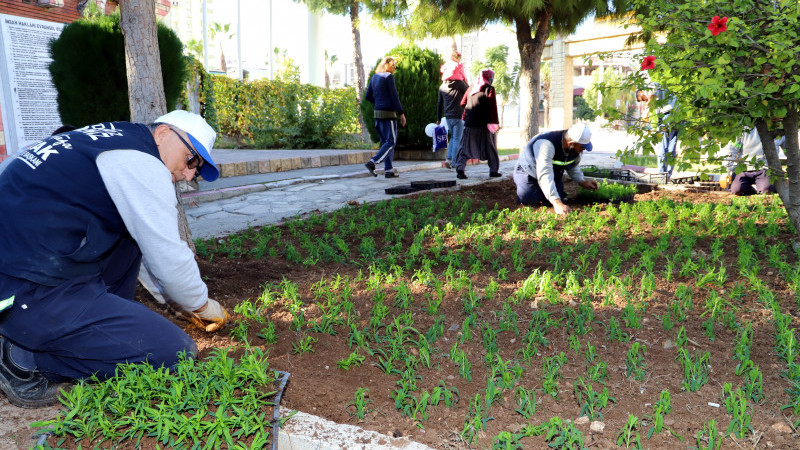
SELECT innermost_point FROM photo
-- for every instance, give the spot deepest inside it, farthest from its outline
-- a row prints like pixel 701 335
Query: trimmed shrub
pixel 418 79
pixel 278 114
pixel 89 73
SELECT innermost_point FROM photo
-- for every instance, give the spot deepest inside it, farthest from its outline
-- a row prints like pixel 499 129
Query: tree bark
pixel 788 189
pixel 359 63
pixel 142 60
pixel 530 55
pixel 145 81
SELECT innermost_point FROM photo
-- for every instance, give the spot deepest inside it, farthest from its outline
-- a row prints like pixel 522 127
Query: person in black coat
pixel 480 126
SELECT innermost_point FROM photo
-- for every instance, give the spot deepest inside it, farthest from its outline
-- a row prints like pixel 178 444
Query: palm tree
pixel 329 62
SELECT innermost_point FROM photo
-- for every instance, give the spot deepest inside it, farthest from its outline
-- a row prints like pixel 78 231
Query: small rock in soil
pixel 397 433
pixel 668 343
pixel 582 420
pixel 781 427
pixel 669 421
pixel 597 426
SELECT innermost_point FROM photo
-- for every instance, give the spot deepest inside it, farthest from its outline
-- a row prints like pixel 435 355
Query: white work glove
pixel 211 317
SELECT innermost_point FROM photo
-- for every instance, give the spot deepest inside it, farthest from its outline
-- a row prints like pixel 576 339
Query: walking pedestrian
pixel 382 92
pixel 449 106
pixel 480 126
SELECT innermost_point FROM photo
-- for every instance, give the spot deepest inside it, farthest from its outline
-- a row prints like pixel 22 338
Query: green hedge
pixel 276 114
pixel 89 74
pixel 417 79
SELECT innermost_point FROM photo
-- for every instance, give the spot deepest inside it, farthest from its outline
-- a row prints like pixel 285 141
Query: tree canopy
pixel 732 65
pixel 534 20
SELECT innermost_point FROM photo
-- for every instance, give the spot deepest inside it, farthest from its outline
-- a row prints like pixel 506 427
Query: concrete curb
pixel 308 432
pixel 195 197
pixel 262 165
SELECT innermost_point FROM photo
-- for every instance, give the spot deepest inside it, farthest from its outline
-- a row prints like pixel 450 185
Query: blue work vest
pixel 58 220
pixel 561 161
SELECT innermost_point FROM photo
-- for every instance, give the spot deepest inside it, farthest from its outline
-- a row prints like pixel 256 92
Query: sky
pixel 290 33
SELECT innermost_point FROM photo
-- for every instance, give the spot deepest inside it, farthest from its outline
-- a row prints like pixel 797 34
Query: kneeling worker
pixel 541 165
pixel 84 213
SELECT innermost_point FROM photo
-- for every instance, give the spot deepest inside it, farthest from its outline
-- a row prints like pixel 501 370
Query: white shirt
pixel 141 188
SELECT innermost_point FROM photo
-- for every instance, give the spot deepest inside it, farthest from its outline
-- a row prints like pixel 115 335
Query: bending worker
pixel 84 213
pixel 542 163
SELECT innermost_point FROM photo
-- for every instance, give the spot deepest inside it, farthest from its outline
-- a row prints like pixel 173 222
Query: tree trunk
pixel 359 63
pixel 788 190
pixel 530 56
pixel 145 81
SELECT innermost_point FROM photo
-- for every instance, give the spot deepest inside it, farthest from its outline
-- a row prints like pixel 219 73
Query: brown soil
pixel 318 386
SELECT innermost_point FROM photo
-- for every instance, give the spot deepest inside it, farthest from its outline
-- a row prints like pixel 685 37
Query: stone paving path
pixel 265 199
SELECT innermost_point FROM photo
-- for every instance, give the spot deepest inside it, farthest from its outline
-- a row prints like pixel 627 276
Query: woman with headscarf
pixel 480 126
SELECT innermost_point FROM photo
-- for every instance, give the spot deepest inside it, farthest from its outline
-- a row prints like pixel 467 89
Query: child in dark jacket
pixel 382 92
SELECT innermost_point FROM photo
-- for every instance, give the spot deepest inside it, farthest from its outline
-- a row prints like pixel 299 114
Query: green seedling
pixel 574 343
pixel 476 419
pixel 708 438
pixel 591 353
pixel 741 352
pixel 436 330
pixel 360 403
pixel 504 373
pixel 526 401
pixel 356 337
pixel 666 321
pixel 560 434
pixel 629 434
pixel 304 345
pixel 239 331
pixel 460 359
pixel 466 328
pixel 591 401
pixel 598 372
pixel 506 440
pixel 736 404
pixel 681 338
pixel 211 403
pixel 614 332
pixel 550 375
pixel 449 396
pixel 634 362
pixel 354 360
pixel 268 334
pixel 508 320
pixel 695 369
pixel 753 381
pixel 660 409
pixel 631 317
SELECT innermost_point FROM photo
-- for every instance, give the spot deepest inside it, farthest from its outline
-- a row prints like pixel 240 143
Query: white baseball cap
pixel 200 134
pixel 581 134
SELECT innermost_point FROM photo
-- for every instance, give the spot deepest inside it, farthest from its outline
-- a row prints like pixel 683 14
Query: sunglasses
pixel 195 162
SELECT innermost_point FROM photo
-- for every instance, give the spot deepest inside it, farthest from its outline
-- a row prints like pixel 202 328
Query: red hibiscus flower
pixel 718 25
pixel 648 62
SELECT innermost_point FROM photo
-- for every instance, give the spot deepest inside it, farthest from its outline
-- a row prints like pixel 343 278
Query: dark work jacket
pixel 382 91
pixel 561 159
pixel 481 107
pixel 449 103
pixel 59 221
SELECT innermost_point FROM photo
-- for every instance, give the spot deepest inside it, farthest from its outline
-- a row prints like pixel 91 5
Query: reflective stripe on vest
pixel 563 163
pixel 4 304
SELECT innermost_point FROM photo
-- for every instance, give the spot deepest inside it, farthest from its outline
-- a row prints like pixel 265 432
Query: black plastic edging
pixel 275 419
